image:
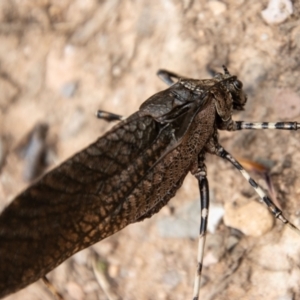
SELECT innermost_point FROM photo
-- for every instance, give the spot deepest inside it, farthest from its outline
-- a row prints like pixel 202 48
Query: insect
pixel 126 176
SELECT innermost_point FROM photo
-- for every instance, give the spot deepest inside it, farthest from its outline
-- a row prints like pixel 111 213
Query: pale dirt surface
pixel 110 51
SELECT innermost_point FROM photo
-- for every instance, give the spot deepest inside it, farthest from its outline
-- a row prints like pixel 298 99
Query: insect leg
pixel 167 76
pixel 267 125
pixel 269 203
pixel 200 175
pixel 108 116
pixel 52 289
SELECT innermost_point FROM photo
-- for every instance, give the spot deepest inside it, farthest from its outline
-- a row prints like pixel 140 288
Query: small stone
pixel 252 218
pixel 277 11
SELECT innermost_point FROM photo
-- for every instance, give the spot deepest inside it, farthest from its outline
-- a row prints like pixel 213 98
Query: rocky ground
pixel 60 61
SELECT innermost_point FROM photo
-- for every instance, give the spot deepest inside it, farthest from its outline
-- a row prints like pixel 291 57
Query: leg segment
pixel 200 174
pixel 107 116
pixel 167 76
pixel 52 289
pixel 266 125
pixel 269 203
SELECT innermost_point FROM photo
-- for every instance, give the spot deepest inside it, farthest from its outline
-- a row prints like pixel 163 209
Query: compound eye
pixel 238 84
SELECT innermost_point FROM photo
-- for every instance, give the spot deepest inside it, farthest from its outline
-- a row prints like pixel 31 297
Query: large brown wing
pixel 124 177
pixel 74 205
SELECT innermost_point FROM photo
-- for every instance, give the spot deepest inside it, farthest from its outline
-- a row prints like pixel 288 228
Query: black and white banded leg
pixel 200 175
pixel 240 125
pixel 266 200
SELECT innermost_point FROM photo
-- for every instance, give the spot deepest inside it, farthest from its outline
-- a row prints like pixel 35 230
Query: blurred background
pixel 60 61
